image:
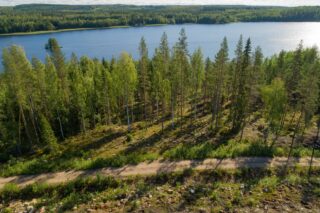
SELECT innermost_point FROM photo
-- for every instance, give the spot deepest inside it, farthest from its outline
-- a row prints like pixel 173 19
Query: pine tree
pixel 235 83
pixel 47 135
pixel 196 78
pixel 160 81
pixel 181 69
pixel 257 78
pixel 144 78
pixel 217 83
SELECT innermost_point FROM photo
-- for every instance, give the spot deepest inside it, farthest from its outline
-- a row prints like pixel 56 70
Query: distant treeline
pixel 30 18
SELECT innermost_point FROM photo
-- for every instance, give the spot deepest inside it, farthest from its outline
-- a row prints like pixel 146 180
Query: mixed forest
pixel 32 18
pixel 43 103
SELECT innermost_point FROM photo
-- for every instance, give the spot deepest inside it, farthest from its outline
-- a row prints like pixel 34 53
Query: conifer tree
pixel 218 80
pixel 160 79
pixel 196 78
pixel 47 135
pixel 15 66
pixel 54 98
pixel 181 68
pixel 144 78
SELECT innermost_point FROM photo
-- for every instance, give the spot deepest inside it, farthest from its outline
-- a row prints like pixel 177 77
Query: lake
pixel 272 37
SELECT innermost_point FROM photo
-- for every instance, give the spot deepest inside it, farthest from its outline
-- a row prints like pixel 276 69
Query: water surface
pixel 106 43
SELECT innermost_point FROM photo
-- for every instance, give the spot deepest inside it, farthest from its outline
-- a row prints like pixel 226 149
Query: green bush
pixel 9 191
pixel 231 149
pixel 129 138
pixel 214 196
pixel 67 190
pixel 269 184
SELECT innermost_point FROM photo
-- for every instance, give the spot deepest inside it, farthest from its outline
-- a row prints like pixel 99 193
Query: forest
pixel 44 103
pixel 32 18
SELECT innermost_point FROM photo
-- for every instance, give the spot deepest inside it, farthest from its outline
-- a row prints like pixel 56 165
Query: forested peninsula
pixel 38 17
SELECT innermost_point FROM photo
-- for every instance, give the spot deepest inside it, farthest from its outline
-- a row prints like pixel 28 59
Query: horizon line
pixel 155 5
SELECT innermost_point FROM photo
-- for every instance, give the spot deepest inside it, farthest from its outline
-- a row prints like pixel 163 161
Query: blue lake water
pixel 272 37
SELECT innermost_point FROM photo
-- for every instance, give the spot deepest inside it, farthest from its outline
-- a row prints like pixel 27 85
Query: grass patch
pixel 42 165
pixel 233 149
pixel 112 146
pixel 225 190
pixel 69 194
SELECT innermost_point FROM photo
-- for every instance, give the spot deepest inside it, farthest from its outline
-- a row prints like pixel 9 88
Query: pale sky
pixel 168 2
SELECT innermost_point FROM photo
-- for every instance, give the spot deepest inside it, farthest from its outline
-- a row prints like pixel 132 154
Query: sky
pixel 168 2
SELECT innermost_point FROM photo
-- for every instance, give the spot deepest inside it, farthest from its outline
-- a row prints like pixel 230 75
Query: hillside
pixel 76 115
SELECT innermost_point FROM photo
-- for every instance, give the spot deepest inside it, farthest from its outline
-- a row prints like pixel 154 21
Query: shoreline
pixel 75 29
pixel 128 26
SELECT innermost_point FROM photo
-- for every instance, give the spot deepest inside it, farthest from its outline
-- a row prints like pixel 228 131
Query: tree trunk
pixel 60 125
pixel 26 126
pixel 157 106
pixel 242 129
pixel 128 116
pixel 293 116
pixel 292 141
pixel 195 107
pixel 108 112
pixel 218 108
pixel 313 149
pixel 214 110
pixel 132 116
pixel 172 113
pixel 181 110
pixel 19 139
pixel 279 129
pixel 33 120
pixel 83 123
pixel 162 120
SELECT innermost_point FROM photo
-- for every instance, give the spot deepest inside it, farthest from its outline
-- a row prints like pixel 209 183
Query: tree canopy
pixel 37 17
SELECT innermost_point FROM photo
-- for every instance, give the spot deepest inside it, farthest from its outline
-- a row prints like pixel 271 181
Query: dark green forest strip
pixel 33 18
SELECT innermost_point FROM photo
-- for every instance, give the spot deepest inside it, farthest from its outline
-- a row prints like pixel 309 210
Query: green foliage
pixel 119 160
pixel 226 190
pixel 269 184
pixel 69 193
pixel 47 135
pixel 231 149
pixel 129 138
pixel 43 103
pixel 274 97
pixel 9 190
pixel 30 18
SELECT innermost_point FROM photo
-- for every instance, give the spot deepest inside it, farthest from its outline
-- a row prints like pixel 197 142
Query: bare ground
pixel 158 167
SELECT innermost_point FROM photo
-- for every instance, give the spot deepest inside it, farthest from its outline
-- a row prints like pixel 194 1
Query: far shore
pixel 74 29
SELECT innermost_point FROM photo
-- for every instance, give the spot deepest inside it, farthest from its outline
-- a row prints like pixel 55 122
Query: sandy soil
pixel 157 167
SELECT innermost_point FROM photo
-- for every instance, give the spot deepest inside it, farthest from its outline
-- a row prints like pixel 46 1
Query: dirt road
pixel 157 167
